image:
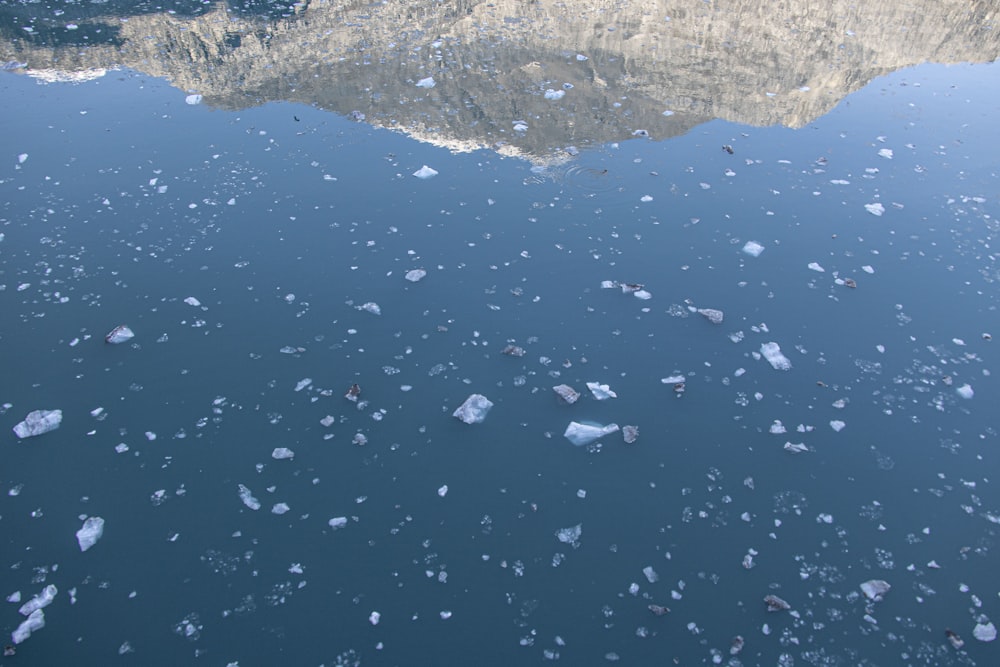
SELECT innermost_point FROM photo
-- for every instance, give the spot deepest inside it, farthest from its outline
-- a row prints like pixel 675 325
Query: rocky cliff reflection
pixel 531 78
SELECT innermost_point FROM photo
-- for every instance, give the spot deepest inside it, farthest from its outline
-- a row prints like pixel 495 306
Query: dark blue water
pixel 129 201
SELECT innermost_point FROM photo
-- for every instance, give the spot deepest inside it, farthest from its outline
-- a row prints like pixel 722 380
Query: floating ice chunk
pixel 247 497
pixel 642 294
pixel 796 448
pixel 566 393
pixel 712 315
pixel 875 209
pixel 35 621
pixel 609 284
pixel 191 301
pixel 651 575
pixel 415 274
pixel 21 158
pixel 193 99
pixel 303 383
pixel 281 453
pixel 837 425
pixel 646 198
pixel 580 57
pixel 337 522
pixel 886 153
pixel 630 433
pixel 673 379
pixel 426 83
pixel 753 248
pixel 374 617
pixel 90 532
pixel 119 334
pixel 583 434
pixel 280 508
pixel 474 409
pixel 570 535
pixel 40 601
pixel 774 603
pixel 371 307
pixel 445 615
pixel 772 352
pixel 551 94
pixel 875 589
pixel 601 392
pixel 425 172
pixel 985 632
pixel 777 427
pixel 443 491
pixel 38 422
pixel 816 267
pixel 965 391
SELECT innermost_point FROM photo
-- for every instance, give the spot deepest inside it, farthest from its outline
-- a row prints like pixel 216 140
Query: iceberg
pixel 570 535
pixel 415 274
pixel 40 601
pixel 566 393
pixel 985 632
pixel 601 391
pixel 474 409
pixel 119 334
pixel 713 315
pixel 630 433
pixel 425 172
pixel 280 453
pixel 772 352
pixel 753 248
pixel 38 422
pixel 35 621
pixel 90 532
pixel 584 434
pixel 875 589
pixel 337 522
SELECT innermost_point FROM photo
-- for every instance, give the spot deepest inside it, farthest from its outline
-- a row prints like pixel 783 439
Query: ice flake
pixel 601 391
pixel 753 248
pixel 772 352
pixel 875 209
pixel 426 83
pixel 38 422
pixel 425 172
pixel 474 409
pixel 90 532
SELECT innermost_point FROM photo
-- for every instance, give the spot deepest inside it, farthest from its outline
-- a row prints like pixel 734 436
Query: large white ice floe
pixel 90 532
pixel 474 409
pixel 584 434
pixel 600 391
pixel 772 352
pixel 38 422
pixel 425 172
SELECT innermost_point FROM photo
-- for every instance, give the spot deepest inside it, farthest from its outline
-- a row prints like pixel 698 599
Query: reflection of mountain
pixel 621 64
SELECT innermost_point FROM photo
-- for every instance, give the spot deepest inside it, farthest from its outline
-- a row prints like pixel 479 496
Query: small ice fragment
pixel 712 315
pixel 193 99
pixel 337 522
pixel 777 427
pixel 445 615
pixel 753 248
pixel 651 575
pixel 837 425
pixel 985 632
pixel 566 393
pixel 886 153
pixel 425 172
pixel 35 621
pixel 303 383
pixel 583 434
pixel 796 448
pixel 21 158
pixel 955 640
pixel 374 617
pixel 474 409
pixel 875 209
pixel 280 453
pixel 247 497
pixel 551 94
pixel 191 301
pixel 965 391
pixel 280 508
pixel 642 294
pixel 772 352
pixel 426 83
pixel 601 391
pixel 580 57
pixel 415 274
pixel 443 491
pixel 40 601
pixel 119 334
pixel 875 589
pixel 371 307
pixel 630 433
pixel 570 535
pixel 90 532
pixel 38 422
pixel 816 267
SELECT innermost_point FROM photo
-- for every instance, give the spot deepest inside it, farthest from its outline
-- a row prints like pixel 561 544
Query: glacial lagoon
pixel 287 289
